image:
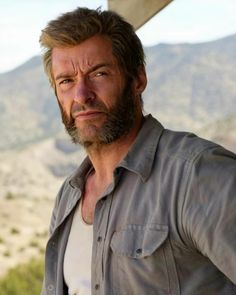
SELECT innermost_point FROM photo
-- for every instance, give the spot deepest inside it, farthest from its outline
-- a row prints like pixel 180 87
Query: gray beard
pixel 120 120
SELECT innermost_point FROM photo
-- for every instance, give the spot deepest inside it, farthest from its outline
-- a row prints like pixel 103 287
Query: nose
pixel 83 93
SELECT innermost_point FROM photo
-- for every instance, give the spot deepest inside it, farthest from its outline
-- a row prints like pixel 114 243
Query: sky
pixel 192 21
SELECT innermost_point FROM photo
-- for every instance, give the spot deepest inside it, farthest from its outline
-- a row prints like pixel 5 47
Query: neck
pixel 105 158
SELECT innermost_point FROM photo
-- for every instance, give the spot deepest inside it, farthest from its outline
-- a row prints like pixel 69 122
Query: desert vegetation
pixel 24 279
pixel 24 225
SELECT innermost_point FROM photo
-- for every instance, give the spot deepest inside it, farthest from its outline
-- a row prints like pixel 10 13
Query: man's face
pixel 97 103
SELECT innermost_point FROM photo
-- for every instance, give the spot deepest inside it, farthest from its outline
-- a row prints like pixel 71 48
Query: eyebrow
pixel 90 70
pixel 62 76
pixel 98 66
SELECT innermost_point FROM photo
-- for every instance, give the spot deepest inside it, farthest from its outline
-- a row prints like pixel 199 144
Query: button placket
pixel 102 212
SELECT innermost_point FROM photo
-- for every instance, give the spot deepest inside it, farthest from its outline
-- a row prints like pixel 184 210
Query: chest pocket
pixel 142 260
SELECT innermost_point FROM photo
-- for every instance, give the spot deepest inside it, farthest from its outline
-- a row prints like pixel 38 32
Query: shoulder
pixel 189 147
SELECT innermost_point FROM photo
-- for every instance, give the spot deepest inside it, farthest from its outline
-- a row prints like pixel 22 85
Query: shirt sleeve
pixel 210 208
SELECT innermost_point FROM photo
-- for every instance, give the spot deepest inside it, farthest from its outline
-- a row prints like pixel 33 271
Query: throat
pixel 87 212
pixel 92 193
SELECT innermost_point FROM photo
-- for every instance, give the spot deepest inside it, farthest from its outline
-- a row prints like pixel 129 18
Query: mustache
pixel 93 105
pixel 69 120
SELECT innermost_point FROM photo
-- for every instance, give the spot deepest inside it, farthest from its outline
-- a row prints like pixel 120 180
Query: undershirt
pixel 78 254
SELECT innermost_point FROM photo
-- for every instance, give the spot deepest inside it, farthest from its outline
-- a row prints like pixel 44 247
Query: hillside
pixel 29 181
pixel 190 85
pixel 222 131
pixel 28 110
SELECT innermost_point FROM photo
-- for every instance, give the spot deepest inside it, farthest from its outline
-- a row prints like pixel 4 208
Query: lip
pixel 87 115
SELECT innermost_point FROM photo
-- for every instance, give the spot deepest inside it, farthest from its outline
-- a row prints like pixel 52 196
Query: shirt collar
pixel 141 154
pixel 77 179
pixel 139 159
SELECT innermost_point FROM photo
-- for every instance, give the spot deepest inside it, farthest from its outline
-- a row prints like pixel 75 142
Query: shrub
pixel 25 279
pixel 34 244
pixel 10 196
pixel 7 253
pixel 15 231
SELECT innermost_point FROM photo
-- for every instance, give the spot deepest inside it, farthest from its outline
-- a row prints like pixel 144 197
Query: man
pixel 149 211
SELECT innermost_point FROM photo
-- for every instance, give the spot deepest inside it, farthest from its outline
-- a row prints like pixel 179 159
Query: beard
pixel 119 120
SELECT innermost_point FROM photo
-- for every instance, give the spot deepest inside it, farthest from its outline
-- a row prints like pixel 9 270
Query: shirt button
pixel 50 287
pixel 97 286
pixel 139 251
pixel 99 239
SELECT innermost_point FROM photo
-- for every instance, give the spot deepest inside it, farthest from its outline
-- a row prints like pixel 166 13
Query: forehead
pixel 97 49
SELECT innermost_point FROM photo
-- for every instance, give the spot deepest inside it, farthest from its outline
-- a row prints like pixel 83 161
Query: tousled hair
pixel 72 28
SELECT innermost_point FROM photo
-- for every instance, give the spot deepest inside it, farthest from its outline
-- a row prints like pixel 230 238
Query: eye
pixel 99 74
pixel 65 81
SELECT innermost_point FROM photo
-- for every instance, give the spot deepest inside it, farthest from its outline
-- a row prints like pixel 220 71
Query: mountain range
pixel 193 83
pixel 190 86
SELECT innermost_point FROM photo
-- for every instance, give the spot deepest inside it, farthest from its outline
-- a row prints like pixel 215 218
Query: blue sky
pixel 182 21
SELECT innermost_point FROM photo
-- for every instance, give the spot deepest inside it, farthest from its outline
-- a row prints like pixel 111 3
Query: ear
pixel 140 81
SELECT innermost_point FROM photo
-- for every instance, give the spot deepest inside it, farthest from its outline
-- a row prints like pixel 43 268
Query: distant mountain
pixel 192 83
pixel 28 109
pixel 190 86
pixel 222 131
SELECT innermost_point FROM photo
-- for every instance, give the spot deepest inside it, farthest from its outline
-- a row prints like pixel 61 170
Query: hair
pixel 72 28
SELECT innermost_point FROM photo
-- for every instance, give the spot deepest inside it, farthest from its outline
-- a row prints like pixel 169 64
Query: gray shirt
pixel 166 225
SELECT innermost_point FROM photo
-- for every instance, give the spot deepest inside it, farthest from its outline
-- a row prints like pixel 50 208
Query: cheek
pixel 62 99
pixel 111 94
pixel 63 105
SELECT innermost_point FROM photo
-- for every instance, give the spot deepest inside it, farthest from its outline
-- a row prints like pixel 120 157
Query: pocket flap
pixel 139 241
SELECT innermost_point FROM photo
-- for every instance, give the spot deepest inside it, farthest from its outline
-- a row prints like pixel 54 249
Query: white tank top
pixel 78 254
